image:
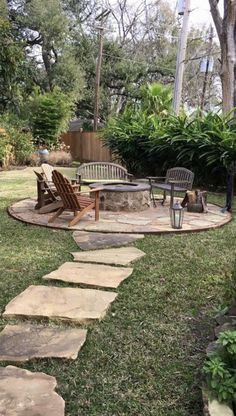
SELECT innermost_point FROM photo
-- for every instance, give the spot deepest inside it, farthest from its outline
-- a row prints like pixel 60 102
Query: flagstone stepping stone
pixel 219 409
pixel 123 256
pixel 93 241
pixel 23 393
pixel 24 342
pixel 78 305
pixel 90 274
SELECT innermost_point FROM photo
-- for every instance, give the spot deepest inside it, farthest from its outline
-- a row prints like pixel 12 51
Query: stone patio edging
pixel 23 211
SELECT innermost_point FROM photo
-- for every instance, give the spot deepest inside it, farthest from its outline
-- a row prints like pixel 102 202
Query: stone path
pixel 74 305
pixel 90 274
pixel 21 342
pixel 93 241
pixel 24 393
pixel 123 256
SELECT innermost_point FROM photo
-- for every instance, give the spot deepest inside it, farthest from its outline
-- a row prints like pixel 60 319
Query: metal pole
pixel 207 68
pixel 181 58
pixel 97 81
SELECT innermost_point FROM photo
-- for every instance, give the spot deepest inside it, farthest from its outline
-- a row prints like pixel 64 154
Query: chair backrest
pixel 47 171
pixel 46 187
pixel 101 170
pixel 65 191
pixel 181 174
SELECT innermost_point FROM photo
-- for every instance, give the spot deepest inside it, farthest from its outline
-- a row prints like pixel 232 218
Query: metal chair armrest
pixel 177 181
pixel 156 177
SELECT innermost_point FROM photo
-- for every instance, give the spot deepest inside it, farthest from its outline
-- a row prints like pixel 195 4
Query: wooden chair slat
pixel 76 203
pixel 101 171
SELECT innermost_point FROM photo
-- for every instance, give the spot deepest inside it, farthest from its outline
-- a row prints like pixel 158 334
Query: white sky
pixel 201 14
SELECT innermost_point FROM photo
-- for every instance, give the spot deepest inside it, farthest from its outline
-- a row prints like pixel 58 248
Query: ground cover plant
pixel 145 357
pixel 219 369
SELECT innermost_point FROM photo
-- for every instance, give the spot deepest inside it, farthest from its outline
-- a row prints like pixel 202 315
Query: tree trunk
pixel 226 30
pixel 47 66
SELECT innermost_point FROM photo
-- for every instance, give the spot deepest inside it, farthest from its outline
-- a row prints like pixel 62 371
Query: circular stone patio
pixel 151 221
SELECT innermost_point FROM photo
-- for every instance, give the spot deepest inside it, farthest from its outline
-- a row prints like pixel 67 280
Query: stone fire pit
pixel 123 196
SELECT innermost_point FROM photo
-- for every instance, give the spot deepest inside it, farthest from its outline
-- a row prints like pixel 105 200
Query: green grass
pixel 145 357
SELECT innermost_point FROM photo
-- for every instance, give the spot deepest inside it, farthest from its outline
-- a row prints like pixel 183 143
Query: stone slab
pixel 23 393
pixel 123 256
pixel 212 347
pixel 78 305
pixel 225 327
pixel 133 221
pixel 90 274
pixel 218 409
pixel 93 241
pixel 24 342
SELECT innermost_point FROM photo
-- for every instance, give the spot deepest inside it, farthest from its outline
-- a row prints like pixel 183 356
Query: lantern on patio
pixel 176 215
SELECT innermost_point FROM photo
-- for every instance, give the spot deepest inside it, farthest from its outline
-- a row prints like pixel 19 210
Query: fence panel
pixel 86 147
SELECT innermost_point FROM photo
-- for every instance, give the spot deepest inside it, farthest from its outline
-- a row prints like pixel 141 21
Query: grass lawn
pixel 145 357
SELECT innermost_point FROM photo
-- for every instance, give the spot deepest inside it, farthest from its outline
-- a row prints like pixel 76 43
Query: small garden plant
pixel 220 369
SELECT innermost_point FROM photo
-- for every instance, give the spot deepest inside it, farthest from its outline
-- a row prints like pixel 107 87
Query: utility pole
pixel 181 53
pixel 209 49
pixel 101 17
pixel 98 77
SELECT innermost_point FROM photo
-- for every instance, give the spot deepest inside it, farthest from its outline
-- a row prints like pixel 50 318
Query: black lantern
pixel 176 215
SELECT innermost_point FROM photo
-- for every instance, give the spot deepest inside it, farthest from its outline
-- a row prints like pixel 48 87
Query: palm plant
pixel 156 99
pixel 201 141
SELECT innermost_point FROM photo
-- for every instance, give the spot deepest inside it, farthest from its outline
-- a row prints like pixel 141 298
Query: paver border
pixel 226 220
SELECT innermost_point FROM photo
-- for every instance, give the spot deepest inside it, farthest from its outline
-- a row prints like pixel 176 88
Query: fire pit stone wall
pixel 124 196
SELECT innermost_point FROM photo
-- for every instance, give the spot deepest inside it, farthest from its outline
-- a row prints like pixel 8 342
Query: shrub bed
pixel 149 141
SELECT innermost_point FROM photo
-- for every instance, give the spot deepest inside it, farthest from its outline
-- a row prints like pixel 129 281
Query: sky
pixel 201 14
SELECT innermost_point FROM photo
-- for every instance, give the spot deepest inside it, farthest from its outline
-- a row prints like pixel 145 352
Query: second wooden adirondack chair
pixel 72 200
pixel 47 197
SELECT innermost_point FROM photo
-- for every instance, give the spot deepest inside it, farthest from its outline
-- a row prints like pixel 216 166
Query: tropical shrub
pixel 126 135
pixel 49 116
pixel 156 99
pixel 204 143
pixel 149 139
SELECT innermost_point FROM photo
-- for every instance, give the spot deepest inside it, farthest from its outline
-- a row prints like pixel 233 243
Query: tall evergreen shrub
pixel 49 116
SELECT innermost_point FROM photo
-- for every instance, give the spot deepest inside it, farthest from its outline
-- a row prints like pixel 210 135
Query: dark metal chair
pixel 176 180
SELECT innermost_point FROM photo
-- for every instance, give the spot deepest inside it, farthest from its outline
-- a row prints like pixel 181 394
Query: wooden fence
pixel 86 147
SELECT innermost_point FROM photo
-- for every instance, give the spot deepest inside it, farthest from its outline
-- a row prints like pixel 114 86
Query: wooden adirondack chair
pixel 47 198
pixel 47 172
pixel 72 200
